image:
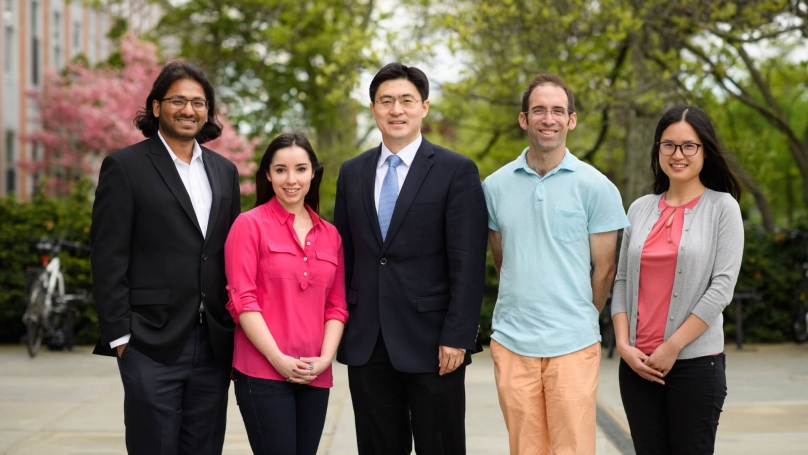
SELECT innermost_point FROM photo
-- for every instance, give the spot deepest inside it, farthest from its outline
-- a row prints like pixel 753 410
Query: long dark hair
pixel 263 187
pixel 148 124
pixel 716 174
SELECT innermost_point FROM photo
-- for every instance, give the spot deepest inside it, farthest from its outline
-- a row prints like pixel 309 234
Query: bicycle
pixel 799 310
pixel 50 313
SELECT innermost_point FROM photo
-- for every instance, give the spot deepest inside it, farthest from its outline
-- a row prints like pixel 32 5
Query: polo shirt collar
pixel 569 163
pixel 282 215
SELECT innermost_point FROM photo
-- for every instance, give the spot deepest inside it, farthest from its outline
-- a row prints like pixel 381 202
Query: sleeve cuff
pixel 122 340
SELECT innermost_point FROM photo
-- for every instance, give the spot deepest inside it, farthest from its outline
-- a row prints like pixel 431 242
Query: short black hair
pixel 393 71
pixel 548 79
pixel 263 187
pixel 716 174
pixel 148 124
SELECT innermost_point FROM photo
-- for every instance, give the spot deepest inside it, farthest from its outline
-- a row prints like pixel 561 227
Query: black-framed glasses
pixel 179 103
pixel 407 102
pixel 669 148
pixel 557 112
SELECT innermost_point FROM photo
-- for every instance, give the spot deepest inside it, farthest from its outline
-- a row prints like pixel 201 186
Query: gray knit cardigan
pixel 710 254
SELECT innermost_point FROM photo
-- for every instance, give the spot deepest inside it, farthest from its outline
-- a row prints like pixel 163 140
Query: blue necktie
pixel 389 194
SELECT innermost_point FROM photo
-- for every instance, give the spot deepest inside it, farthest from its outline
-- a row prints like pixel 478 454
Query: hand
pixel 449 359
pixel 317 364
pixel 120 349
pixel 663 358
pixel 635 359
pixel 292 368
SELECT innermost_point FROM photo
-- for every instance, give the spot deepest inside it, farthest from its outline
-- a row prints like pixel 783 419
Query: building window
pixel 11 163
pixel 35 43
pixel 76 38
pixel 8 39
pixel 57 40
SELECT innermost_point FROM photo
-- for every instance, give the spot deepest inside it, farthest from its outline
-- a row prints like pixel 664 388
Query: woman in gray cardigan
pixel 679 262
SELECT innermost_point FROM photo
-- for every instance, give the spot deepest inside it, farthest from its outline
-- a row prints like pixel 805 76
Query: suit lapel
pixel 368 189
pixel 162 161
pixel 415 177
pixel 212 170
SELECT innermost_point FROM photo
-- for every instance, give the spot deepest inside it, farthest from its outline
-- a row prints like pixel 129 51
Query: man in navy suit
pixel 162 211
pixel 413 222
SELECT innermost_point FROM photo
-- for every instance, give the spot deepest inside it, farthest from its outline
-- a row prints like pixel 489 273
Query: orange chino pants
pixel 548 403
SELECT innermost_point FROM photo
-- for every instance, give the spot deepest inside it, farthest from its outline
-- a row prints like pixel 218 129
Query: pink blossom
pixel 87 113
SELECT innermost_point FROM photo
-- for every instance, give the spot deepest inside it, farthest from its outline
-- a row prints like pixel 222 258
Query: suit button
pixel 204 258
pixel 203 294
pixel 383 261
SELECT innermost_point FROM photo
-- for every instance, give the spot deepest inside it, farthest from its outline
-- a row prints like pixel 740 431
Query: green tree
pixel 283 63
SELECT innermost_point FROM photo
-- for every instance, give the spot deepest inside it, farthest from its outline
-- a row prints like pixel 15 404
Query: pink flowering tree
pixel 87 113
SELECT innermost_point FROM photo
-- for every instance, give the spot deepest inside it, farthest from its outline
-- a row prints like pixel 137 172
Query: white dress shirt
pixel 407 154
pixel 196 183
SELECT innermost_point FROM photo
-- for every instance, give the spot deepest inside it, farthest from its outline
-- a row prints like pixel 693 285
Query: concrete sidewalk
pixel 72 403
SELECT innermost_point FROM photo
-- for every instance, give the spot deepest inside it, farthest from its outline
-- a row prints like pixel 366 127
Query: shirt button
pixel 683 248
pixel 671 318
pixel 679 271
pixel 308 243
pixel 675 294
pixel 383 261
pixel 305 273
pixel 233 290
pixel 305 259
pixel 687 229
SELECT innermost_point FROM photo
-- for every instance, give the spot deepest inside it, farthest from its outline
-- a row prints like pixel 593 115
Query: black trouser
pixel 393 408
pixel 179 408
pixel 281 418
pixel 680 417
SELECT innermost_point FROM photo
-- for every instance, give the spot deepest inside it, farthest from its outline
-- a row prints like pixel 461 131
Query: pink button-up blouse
pixel 295 287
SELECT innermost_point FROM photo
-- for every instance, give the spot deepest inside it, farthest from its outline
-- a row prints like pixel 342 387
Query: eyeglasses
pixel 669 148
pixel 557 112
pixel 407 102
pixel 179 103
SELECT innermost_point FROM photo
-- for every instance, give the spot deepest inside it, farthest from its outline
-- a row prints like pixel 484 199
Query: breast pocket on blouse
pixel 325 268
pixel 569 225
pixel 283 261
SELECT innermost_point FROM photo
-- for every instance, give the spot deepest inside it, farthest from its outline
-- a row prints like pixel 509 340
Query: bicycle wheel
pixel 799 315
pixel 34 319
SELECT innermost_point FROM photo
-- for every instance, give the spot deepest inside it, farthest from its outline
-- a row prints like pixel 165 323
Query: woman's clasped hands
pixel 295 369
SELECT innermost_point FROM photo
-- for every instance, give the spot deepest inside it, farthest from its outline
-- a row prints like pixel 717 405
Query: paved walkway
pixel 71 403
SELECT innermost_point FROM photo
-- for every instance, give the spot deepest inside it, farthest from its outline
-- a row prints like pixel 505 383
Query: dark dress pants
pixel 281 418
pixel 393 408
pixel 680 417
pixel 179 408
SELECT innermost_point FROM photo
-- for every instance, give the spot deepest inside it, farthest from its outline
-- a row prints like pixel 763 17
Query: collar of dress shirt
pixel 282 215
pixel 197 154
pixel 407 154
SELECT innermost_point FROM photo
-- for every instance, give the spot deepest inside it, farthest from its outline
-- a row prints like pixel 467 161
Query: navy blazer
pixel 151 265
pixel 423 286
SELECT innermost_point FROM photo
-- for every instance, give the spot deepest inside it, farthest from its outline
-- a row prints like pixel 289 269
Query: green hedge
pixel 772 267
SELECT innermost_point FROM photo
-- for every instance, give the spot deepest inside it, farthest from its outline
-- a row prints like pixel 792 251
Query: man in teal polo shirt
pixel 553 223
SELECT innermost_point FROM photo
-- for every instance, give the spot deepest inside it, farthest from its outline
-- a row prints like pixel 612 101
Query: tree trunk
pixel 637 178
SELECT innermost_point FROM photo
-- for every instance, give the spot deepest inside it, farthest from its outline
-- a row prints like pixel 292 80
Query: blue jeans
pixel 680 417
pixel 281 418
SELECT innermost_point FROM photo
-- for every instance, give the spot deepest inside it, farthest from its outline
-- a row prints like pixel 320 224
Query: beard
pixel 168 128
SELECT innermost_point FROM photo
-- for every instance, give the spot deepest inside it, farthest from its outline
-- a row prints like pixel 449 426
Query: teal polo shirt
pixel 544 307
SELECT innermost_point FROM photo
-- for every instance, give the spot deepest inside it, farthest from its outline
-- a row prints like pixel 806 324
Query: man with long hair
pixel 162 211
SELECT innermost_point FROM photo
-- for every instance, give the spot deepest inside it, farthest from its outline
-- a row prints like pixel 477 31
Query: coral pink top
pixel 296 288
pixel 657 271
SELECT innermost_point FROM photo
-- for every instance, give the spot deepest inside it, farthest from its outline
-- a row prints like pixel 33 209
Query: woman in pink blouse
pixel 286 283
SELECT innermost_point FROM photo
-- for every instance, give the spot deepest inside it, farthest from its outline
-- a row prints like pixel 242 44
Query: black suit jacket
pixel 423 286
pixel 151 265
